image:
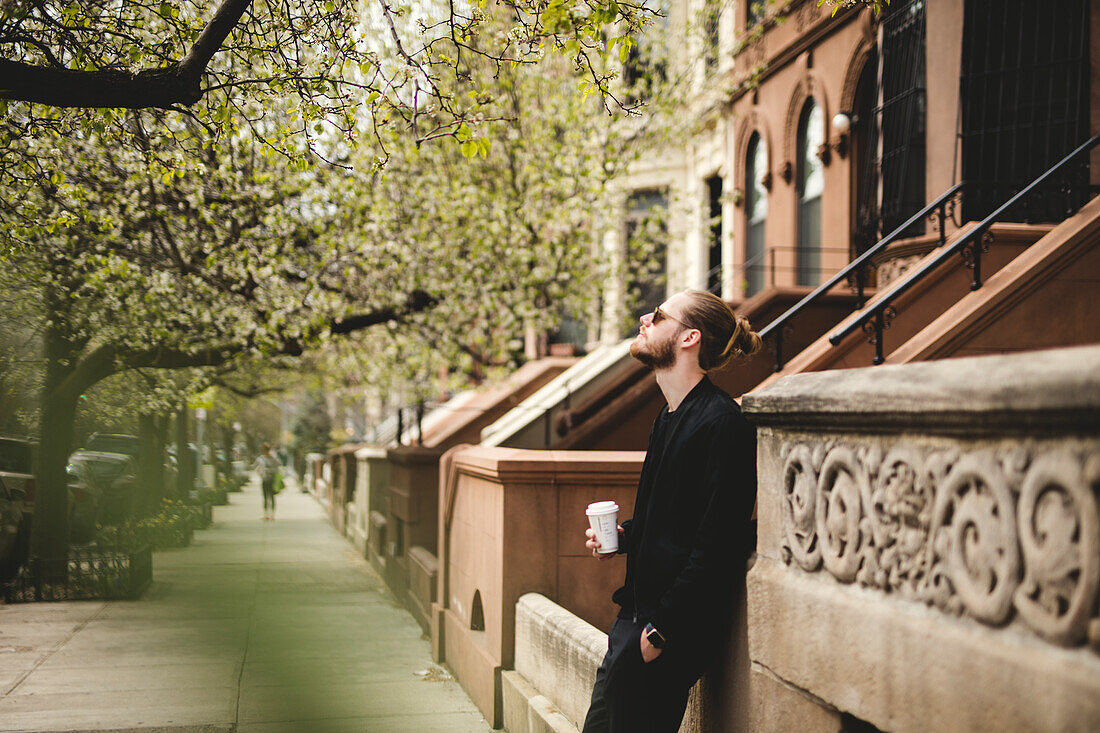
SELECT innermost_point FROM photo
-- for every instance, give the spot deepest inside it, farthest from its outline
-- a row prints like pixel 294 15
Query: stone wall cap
pixel 1055 388
pixel 562 621
pixel 347 448
pixel 523 464
pixel 371 451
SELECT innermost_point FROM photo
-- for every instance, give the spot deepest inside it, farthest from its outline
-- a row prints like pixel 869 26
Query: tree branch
pixel 417 301
pixel 109 359
pixel 213 36
pixel 105 88
pixel 166 87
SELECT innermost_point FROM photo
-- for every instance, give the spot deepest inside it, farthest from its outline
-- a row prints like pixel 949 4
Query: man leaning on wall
pixel 691 527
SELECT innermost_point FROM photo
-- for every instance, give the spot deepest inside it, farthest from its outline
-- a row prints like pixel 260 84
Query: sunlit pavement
pixel 257 626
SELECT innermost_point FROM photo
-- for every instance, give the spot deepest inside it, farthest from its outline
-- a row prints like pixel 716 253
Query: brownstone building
pixel 813 136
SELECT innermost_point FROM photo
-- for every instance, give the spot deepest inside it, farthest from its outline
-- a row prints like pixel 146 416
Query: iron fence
pixel 86 574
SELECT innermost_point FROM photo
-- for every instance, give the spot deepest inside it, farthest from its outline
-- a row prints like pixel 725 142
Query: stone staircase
pixel 1041 290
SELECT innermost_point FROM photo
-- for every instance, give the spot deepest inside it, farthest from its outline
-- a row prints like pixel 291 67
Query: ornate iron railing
pixel 875 319
pixel 856 271
pixel 86 573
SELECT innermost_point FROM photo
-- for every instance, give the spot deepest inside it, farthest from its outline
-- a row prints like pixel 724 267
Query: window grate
pixel 1024 103
pixel 901 115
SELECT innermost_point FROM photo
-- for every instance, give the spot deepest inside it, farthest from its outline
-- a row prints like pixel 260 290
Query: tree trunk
pixel 50 536
pixel 163 422
pixel 227 449
pixel 184 460
pixel 150 466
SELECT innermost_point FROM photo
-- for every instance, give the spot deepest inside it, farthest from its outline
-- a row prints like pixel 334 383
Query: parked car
pixel 114 443
pixel 101 490
pixel 14 532
pixel 17 459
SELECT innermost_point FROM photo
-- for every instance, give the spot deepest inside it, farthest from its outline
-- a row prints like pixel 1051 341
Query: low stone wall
pixel 929 547
pixel 557 654
pixel 423 569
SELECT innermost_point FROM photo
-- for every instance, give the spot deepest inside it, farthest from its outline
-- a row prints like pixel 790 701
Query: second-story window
pixel 710 22
pixel 714 230
pixel 645 69
pixel 811 184
pixel 756 214
pixel 646 233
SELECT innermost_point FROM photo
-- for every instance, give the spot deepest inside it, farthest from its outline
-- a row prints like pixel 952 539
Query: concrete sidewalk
pixel 257 626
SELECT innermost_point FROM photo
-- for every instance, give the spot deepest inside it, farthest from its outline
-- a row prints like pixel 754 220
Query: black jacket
pixel 691 531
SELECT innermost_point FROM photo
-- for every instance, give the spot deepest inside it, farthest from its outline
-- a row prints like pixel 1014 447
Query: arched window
pixel 811 182
pixel 756 213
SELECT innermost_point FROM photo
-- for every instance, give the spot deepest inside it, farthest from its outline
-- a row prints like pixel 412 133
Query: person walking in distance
pixel 691 532
pixel 267 466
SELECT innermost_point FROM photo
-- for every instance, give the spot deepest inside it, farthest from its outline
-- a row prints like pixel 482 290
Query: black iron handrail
pixel 971 246
pixel 858 266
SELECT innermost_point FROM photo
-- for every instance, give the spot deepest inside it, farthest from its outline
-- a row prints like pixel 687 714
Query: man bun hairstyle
pixel 725 335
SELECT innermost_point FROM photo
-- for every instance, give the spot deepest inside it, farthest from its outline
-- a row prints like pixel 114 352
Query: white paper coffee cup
pixel 604 518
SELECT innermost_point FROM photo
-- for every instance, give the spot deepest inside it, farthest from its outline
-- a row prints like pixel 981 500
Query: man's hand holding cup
pixel 603 534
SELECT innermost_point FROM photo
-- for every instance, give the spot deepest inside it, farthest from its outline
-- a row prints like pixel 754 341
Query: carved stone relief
pixel 993 534
pixel 891 270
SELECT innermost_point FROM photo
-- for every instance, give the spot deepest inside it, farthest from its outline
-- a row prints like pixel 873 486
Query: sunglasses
pixel 659 315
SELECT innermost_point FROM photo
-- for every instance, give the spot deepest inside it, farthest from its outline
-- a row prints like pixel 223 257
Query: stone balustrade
pixel 371 477
pixel 557 654
pixel 929 546
pixel 512 522
pixel 411 515
pixel 342 492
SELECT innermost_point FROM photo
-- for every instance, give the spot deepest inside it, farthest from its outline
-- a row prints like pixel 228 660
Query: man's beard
pixel 662 355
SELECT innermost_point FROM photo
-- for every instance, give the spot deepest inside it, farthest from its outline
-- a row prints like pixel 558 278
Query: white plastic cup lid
pixel 602 507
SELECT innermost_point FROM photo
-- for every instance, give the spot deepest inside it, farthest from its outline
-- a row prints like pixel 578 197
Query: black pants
pixel 631 696
pixel 268 487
